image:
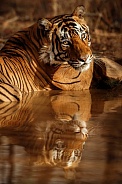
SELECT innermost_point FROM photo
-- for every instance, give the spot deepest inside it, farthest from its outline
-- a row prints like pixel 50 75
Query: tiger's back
pixel 51 54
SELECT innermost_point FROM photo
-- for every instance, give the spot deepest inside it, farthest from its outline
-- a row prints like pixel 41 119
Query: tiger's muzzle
pixel 81 64
pixel 80 54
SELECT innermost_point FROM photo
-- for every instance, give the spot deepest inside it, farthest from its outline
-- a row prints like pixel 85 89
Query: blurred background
pixel 104 18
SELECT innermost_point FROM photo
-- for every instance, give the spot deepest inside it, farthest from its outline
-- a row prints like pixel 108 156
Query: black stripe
pixel 56 19
pixel 66 82
pixel 7 77
pixel 4 96
pixel 9 86
pixel 77 75
pixel 16 42
pixel 16 69
pixel 34 38
pixel 7 67
pixel 21 71
pixel 39 37
pixel 19 44
pixel 60 24
pixel 10 94
pixel 68 19
pixel 8 109
pixel 33 45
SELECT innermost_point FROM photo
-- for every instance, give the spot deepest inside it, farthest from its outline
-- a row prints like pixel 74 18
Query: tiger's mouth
pixel 79 64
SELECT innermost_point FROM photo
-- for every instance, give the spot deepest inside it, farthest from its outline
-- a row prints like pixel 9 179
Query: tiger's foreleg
pixel 9 93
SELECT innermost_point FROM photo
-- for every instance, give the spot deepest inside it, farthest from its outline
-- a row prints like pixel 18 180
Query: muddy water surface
pixel 62 137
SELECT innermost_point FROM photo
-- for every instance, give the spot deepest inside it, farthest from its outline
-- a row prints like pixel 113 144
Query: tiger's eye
pixel 66 43
pixel 84 35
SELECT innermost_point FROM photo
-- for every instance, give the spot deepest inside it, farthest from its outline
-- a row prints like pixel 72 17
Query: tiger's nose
pixel 84 58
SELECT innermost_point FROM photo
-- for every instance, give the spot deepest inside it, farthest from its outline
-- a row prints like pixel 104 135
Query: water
pixel 44 139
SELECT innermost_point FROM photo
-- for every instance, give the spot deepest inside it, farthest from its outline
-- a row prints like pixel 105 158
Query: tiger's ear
pixel 44 23
pixel 79 11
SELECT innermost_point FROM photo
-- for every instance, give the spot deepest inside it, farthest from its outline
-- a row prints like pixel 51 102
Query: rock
pixel 107 73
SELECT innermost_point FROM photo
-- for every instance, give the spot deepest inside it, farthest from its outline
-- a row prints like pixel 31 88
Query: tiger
pixel 53 53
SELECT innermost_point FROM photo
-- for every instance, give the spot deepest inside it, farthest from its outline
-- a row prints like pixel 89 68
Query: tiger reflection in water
pixel 57 140
pixel 64 144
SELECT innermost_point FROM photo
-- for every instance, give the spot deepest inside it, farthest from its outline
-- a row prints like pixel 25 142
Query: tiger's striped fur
pixel 51 54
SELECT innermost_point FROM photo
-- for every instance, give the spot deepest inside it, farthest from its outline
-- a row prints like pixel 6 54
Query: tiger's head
pixel 66 40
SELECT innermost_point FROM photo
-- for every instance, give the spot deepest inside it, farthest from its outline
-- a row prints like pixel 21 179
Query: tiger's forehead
pixel 67 23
